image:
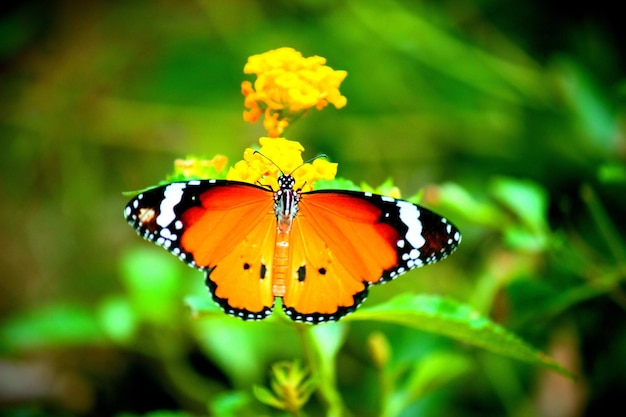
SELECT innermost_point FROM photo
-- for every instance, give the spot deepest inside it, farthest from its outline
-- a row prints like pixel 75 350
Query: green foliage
pixel 118 319
pixel 528 202
pixel 323 342
pixel 231 404
pixel 290 385
pixel 152 283
pixel 54 326
pixel 159 413
pixel 404 387
pixel 336 184
pixel 444 316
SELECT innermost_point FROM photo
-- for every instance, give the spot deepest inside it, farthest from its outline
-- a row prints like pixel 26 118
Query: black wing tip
pixel 441 238
pixel 142 213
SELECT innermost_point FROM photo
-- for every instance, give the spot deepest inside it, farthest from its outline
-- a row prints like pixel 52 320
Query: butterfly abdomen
pixel 280 264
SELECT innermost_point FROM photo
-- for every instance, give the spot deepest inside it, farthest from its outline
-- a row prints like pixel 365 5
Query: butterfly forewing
pixel 225 228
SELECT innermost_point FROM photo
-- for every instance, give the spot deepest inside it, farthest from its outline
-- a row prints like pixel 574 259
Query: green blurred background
pixel 510 115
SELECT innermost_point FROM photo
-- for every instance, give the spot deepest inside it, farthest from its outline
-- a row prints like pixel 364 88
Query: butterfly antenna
pixel 273 163
pixel 308 161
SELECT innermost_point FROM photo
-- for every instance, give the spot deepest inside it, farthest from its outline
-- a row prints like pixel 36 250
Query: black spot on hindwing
pixel 301 273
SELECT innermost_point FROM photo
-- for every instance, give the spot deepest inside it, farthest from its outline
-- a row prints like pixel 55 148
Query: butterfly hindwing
pixel 344 241
pixel 223 227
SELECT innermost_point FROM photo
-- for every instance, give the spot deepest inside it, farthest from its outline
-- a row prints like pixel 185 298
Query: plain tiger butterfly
pixel 319 250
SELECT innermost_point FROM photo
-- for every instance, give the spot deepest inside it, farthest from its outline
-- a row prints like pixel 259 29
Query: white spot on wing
pixel 409 214
pixel 171 197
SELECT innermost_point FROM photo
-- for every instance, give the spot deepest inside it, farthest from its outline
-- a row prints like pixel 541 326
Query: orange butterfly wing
pixel 343 241
pixel 226 228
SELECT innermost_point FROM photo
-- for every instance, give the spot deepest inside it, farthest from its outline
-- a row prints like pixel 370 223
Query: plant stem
pixel 608 231
pixel 323 370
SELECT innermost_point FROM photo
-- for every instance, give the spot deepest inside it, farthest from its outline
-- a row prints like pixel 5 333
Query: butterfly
pixel 319 250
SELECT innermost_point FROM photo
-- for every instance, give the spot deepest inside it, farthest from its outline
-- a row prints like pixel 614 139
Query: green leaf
pixel 427 375
pixel 434 371
pixel 117 319
pixel 595 116
pixel 52 326
pixel 528 200
pixel 421 39
pixel 153 282
pixel 457 198
pixel 328 339
pixel 336 184
pixel 203 306
pixel 158 413
pixel 612 173
pixel 230 404
pixel 458 321
pixel 267 397
pixel 325 341
pixel 523 239
pixel 386 188
pixel 291 384
pixel 253 344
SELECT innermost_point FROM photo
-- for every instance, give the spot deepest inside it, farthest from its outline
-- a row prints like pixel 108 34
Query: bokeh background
pixel 509 115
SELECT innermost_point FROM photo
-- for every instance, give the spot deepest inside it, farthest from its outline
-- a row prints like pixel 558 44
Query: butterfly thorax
pixel 286 203
pixel 285 208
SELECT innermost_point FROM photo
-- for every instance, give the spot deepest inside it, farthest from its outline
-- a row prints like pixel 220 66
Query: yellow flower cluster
pixel 278 156
pixel 287 86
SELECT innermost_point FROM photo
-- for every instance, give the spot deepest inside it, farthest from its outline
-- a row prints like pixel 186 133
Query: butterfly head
pixel 286 182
